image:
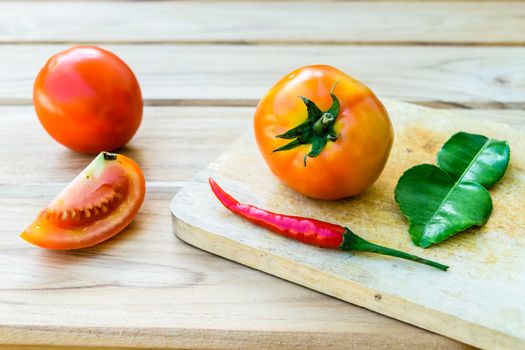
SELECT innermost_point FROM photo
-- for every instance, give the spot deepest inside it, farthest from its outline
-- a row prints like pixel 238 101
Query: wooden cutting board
pixel 480 300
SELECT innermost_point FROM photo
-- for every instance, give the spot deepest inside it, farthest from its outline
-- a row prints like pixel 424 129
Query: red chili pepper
pixel 310 231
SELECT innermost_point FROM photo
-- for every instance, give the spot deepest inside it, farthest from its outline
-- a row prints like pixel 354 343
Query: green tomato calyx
pixel 317 130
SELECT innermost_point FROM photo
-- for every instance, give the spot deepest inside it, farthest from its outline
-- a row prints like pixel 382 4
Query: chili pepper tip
pixel 227 200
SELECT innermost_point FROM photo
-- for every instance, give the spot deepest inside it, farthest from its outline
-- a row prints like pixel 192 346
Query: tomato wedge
pixel 99 203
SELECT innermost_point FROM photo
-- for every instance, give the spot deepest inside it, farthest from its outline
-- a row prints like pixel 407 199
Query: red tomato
pixel 88 99
pixel 324 145
pixel 100 202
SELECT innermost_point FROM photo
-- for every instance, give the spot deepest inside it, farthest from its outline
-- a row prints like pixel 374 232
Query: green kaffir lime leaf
pixel 474 158
pixel 440 201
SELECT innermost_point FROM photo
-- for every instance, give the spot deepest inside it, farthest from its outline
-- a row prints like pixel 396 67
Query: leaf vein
pixel 485 145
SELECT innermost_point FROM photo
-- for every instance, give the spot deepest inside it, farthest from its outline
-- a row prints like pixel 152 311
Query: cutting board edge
pixel 388 305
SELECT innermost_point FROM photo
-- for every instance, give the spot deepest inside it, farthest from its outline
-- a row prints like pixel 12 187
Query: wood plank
pixel 211 339
pixel 264 22
pixel 171 146
pixel 475 77
pixel 477 301
pixel 146 288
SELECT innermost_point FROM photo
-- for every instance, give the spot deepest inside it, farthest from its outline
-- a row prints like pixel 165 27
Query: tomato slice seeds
pixel 101 201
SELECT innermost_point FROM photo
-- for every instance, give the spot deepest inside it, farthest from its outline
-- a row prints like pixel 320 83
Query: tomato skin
pixel 88 99
pixel 345 167
pixel 98 204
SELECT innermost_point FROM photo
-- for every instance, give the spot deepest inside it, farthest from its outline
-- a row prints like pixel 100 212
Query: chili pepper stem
pixel 351 241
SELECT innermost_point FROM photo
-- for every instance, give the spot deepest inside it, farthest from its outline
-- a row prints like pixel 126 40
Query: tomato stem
pixel 109 156
pixel 323 123
pixel 317 130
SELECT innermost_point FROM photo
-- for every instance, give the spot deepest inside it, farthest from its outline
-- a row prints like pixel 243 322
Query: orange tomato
pixel 99 203
pixel 335 148
pixel 88 99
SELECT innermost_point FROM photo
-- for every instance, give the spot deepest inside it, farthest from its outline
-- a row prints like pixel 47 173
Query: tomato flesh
pixel 101 201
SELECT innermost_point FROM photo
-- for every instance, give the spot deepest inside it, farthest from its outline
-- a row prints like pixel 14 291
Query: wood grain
pixel 394 22
pixel 476 77
pixel 180 294
pixel 478 301
pixel 146 288
pixel 172 144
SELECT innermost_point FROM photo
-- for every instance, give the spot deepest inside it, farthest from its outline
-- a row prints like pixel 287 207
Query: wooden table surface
pixel 202 67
